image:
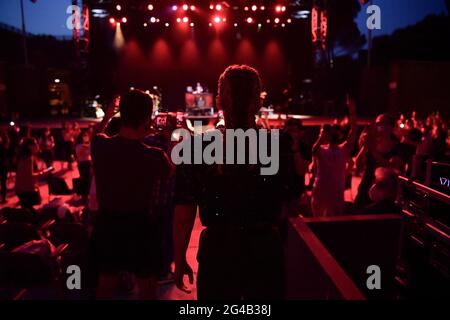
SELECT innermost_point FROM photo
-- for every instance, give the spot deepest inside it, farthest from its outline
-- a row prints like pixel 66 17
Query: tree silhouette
pixel 343 31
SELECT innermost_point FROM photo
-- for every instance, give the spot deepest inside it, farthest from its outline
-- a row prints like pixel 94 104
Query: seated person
pixel 383 193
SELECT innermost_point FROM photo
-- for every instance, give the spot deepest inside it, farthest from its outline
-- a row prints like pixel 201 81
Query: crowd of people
pixel 146 206
pixel 31 156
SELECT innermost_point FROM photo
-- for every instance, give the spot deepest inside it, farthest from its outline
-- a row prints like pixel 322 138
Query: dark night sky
pixel 49 16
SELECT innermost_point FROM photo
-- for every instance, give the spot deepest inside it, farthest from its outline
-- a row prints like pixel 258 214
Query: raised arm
pixel 183 222
pixel 348 145
pixel 109 114
pixel 319 142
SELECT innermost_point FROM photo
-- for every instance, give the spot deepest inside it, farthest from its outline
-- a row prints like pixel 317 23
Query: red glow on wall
pixel 190 55
pixel 217 55
pixel 161 55
pixel 273 58
pixel 245 53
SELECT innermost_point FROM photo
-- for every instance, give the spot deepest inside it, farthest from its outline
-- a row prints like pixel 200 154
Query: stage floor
pixel 274 119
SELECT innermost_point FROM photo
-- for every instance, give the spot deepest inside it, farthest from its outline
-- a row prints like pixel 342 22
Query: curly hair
pixel 239 95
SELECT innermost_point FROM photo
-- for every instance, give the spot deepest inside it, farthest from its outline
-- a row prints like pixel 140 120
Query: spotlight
pixel 277 20
pixel 174 8
pixel 283 8
pixel 278 8
pixel 150 7
pixel 224 19
pixel 185 19
pixel 185 7
pixel 167 24
pixel 259 25
pixel 217 19
pixel 235 25
pixel 246 8
pixel 178 20
pixel 211 7
pixel 124 20
pixel 249 20
pixel 118 7
pixel 152 19
pixel 262 8
pixel 219 7
pixel 112 20
pixel 254 8
pixel 57 80
pixel 12 124
pixel 283 25
pixel 289 20
pixel 210 24
pixel 191 24
pixel 268 20
pixel 145 24
pixel 192 8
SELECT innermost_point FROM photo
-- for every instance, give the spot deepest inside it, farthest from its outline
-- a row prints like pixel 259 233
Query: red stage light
pixel 178 20
pixel 218 7
pixel 118 7
pixel 217 19
pixel 112 20
pixel 211 6
pixel 185 7
pixel 263 8
pixel 167 24
pixel 191 24
pixel 254 8
pixel 268 20
pixel 246 8
pixel 278 8
pixel 192 8
pixel 150 7
pixel 174 8
pixel 283 8
pixel 289 20
pixel 277 20
pixel 152 19
pixel 185 19
pixel 124 20
pixel 249 20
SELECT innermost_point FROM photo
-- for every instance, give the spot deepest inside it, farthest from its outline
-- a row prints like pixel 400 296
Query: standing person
pixel 47 145
pixel 83 153
pixel 164 202
pixel 331 160
pixel 240 252
pixel 27 174
pixel 4 146
pixel 295 156
pixel 379 145
pixel 127 173
pixel 76 131
pixel 84 161
pixel 68 143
